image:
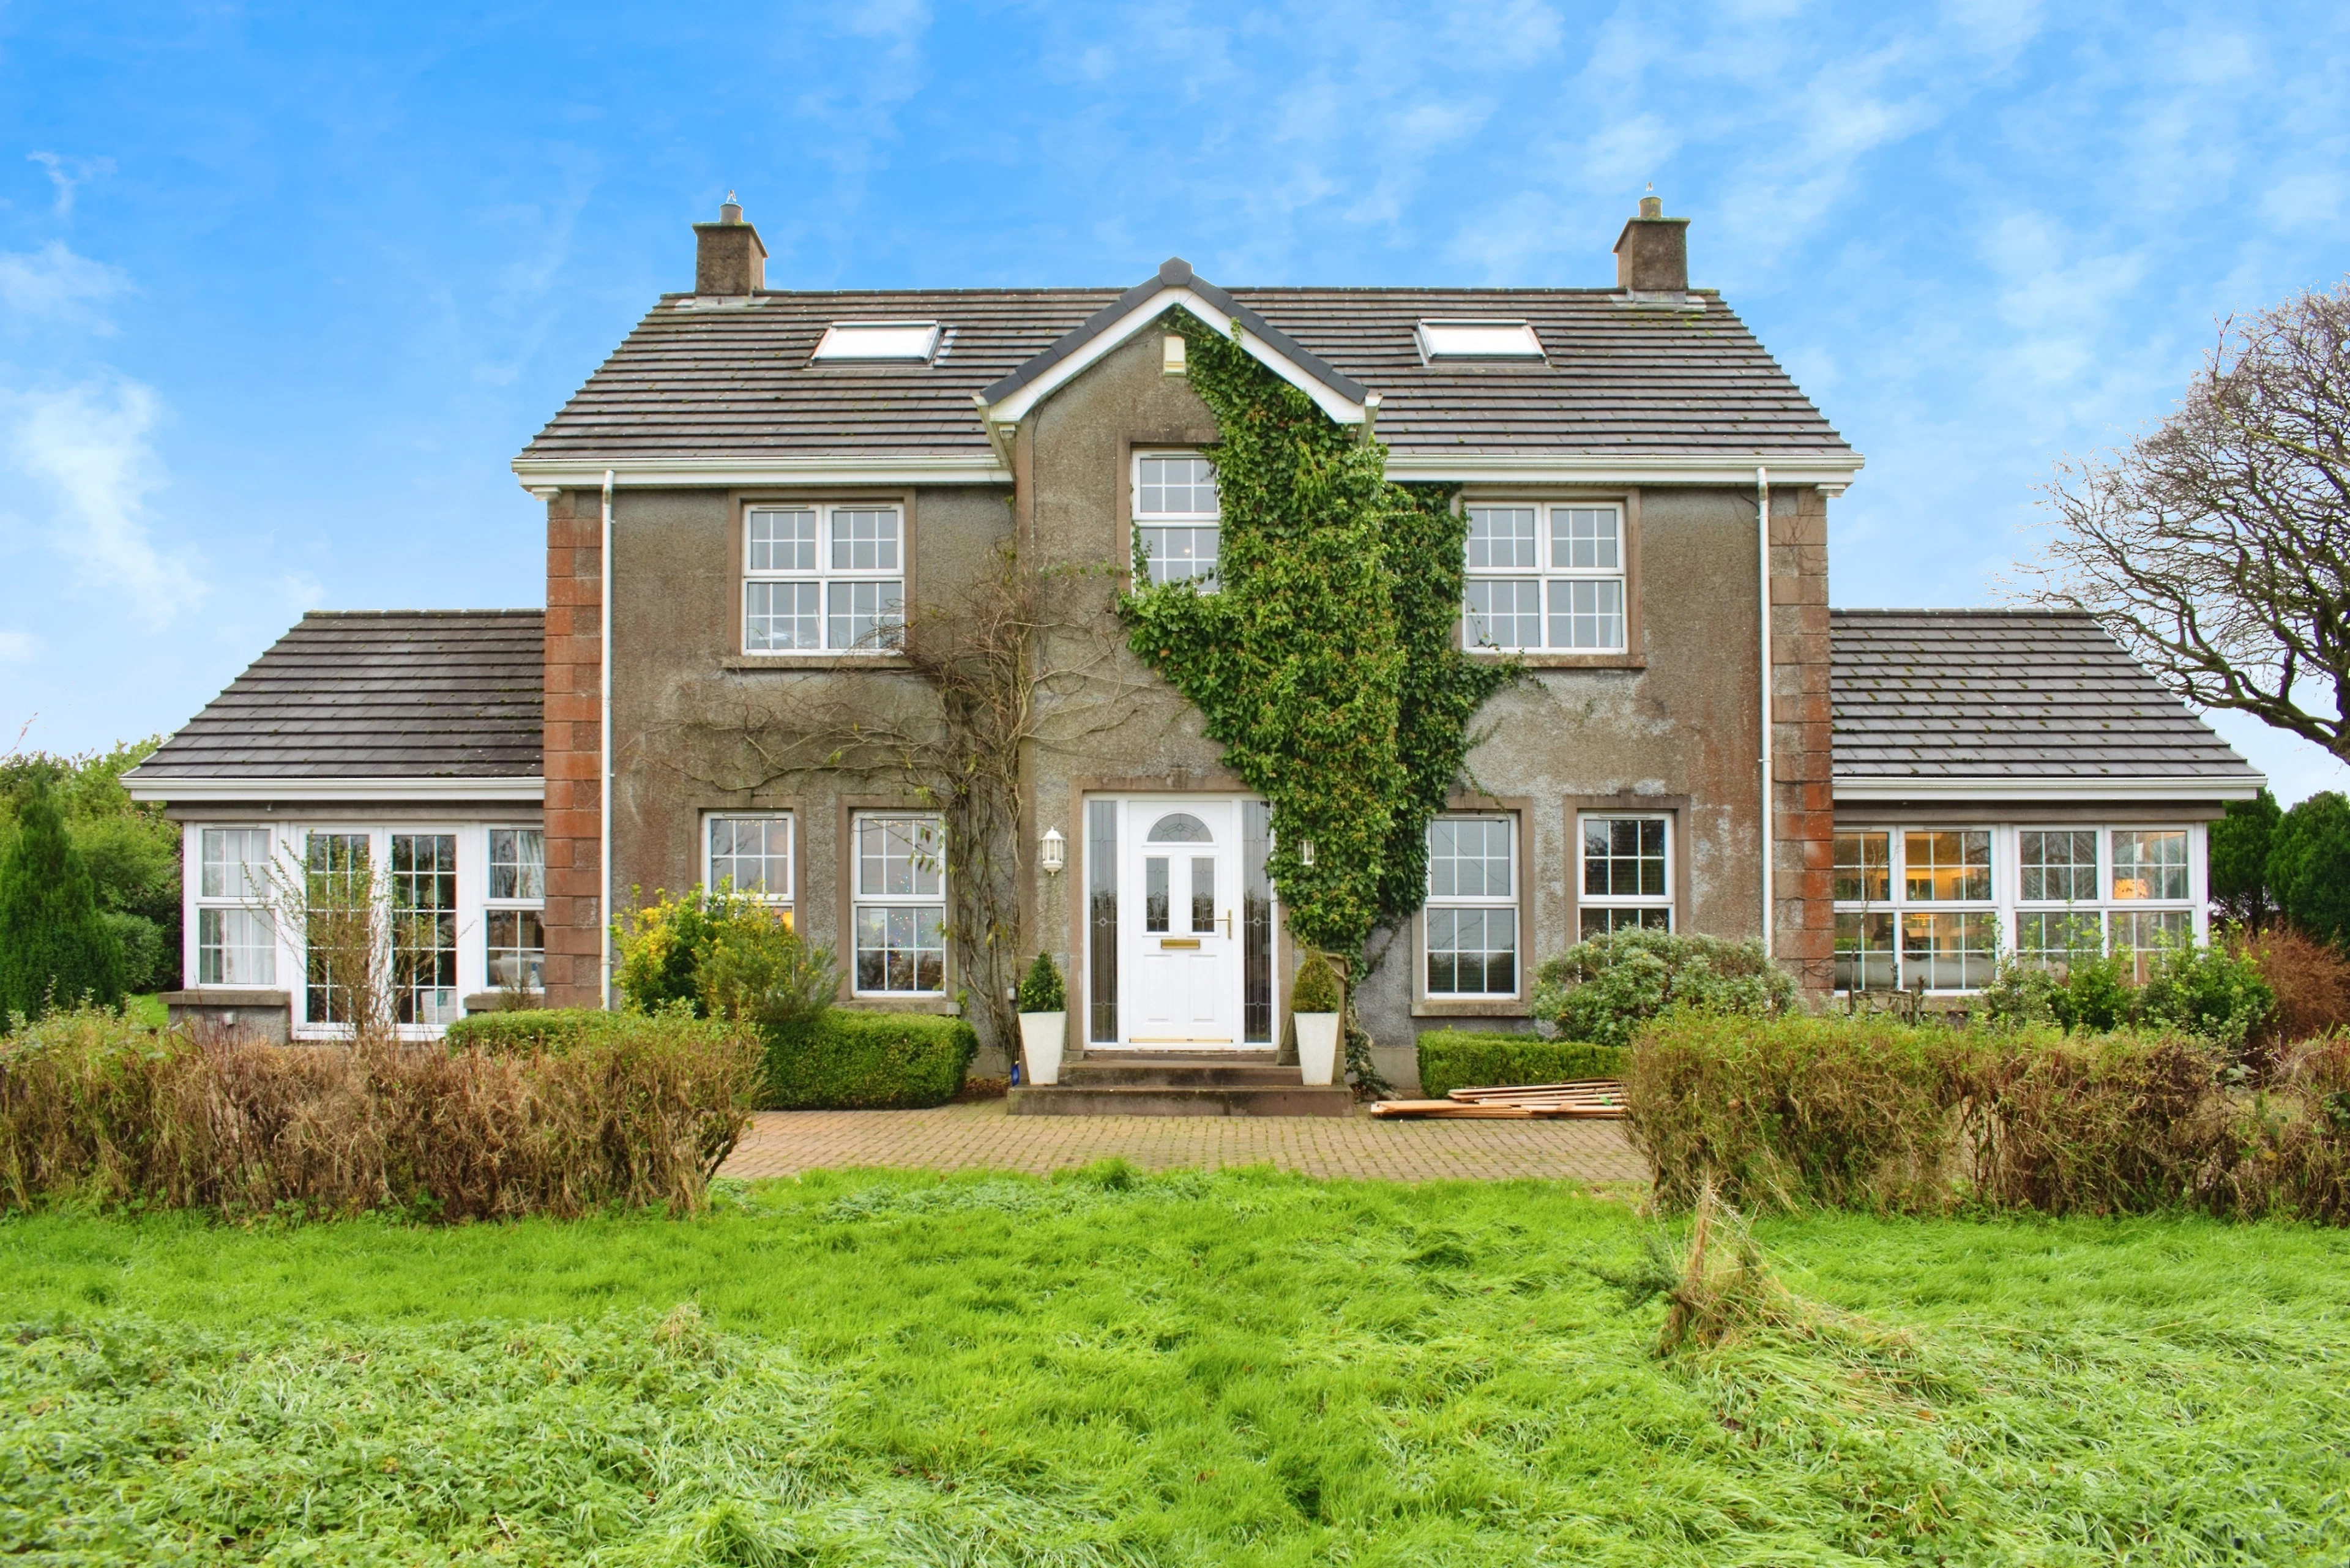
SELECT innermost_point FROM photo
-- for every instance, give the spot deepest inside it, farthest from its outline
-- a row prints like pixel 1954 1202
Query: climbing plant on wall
pixel 1322 658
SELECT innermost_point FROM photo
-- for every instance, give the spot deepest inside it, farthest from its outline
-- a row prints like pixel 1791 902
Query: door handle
pixel 1225 921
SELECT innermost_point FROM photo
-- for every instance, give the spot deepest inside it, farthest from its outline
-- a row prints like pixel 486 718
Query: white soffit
pixel 1479 340
pixel 1015 406
pixel 194 791
pixel 723 473
pixel 902 341
pixel 2045 787
pixel 1831 471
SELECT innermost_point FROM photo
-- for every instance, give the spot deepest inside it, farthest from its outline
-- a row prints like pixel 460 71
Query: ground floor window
pixel 750 854
pixel 236 940
pixel 901 912
pixel 1626 875
pixel 340 929
pixel 513 922
pixel 424 929
pixel 1471 918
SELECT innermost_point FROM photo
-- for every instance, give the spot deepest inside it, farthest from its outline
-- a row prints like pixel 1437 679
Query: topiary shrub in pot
pixel 1315 998
pixel 1044 1020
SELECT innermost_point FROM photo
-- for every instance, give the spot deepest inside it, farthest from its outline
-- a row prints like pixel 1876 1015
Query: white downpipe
pixel 1763 561
pixel 604 758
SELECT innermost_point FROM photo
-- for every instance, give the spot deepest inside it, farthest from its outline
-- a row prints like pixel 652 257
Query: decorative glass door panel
pixel 1181 970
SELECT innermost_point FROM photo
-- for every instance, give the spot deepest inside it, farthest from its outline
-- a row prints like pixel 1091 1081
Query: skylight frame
pixel 887 343
pixel 1498 341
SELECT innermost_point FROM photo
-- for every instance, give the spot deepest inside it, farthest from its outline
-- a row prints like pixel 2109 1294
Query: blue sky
pixel 283 288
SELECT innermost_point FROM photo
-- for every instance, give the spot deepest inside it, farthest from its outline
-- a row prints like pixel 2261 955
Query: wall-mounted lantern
pixel 1051 858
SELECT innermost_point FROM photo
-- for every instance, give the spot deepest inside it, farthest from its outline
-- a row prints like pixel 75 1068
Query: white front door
pixel 1179 899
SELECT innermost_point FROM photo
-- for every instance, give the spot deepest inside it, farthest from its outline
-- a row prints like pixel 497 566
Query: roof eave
pixel 2049 787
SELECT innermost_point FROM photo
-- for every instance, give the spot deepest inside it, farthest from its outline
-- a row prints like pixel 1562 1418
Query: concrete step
pixel 1095 1075
pixel 1290 1099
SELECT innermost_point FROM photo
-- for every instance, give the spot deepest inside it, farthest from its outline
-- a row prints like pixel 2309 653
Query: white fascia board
pixel 754 472
pixel 2046 787
pixel 198 791
pixel 1015 407
pixel 1565 468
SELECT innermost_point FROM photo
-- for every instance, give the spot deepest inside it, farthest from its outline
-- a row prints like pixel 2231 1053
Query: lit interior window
pixel 912 340
pixel 1478 340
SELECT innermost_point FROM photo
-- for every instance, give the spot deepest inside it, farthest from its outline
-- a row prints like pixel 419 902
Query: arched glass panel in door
pixel 1179 827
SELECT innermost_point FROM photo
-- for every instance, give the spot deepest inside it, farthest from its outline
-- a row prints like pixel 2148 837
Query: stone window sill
pixel 1472 1007
pixel 799 661
pixel 1574 660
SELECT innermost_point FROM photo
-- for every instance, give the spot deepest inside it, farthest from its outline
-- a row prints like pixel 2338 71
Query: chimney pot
pixel 728 258
pixel 1652 253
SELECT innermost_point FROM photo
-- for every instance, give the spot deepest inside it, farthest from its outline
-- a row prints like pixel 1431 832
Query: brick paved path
pixel 982 1136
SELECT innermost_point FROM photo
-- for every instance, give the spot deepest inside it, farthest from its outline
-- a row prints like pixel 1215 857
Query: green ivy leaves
pixel 1323 660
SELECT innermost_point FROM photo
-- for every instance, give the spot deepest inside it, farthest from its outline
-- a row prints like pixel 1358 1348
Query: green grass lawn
pixel 1236 1368
pixel 148 1008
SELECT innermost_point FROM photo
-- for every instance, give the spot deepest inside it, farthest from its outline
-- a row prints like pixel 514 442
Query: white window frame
pixel 254 899
pixel 517 904
pixel 824 575
pixel 2007 904
pixel 1213 521
pixel 1471 340
pixel 860 901
pixel 1548 577
pixel 471 881
pixel 783 901
pixel 876 343
pixel 1437 904
pixel 1585 901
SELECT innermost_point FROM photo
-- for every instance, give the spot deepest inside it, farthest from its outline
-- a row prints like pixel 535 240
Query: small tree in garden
pixel 55 947
pixel 1042 989
pixel 2241 841
pixel 2309 866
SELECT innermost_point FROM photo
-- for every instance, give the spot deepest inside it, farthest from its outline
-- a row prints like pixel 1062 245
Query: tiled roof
pixel 703 379
pixel 409 694
pixel 2006 693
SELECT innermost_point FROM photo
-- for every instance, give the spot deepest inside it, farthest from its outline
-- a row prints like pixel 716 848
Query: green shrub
pixel 1041 990
pixel 2215 994
pixel 560 1030
pixel 631 1110
pixel 1317 988
pixel 145 966
pixel 2238 857
pixel 1603 988
pixel 55 949
pixel 849 1060
pixel 1454 1059
pixel 756 969
pixel 2309 866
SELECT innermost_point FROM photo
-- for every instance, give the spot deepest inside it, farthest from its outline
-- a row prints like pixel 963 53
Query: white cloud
pixel 89 445
pixel 66 174
pixel 18 647
pixel 53 283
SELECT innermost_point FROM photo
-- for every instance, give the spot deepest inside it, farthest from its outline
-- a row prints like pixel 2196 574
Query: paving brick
pixel 982 1137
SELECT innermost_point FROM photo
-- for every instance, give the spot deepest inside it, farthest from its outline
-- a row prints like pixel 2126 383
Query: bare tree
pixel 990 674
pixel 2216 547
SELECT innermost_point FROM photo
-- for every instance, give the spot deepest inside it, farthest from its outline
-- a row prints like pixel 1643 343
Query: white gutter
pixel 175 789
pixel 604 759
pixel 1831 473
pixel 1762 557
pixel 1850 787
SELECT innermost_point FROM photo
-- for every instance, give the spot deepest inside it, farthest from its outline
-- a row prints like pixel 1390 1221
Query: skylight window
pixel 870 340
pixel 1478 340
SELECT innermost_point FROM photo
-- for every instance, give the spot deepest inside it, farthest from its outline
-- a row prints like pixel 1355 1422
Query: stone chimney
pixel 727 256
pixel 1652 253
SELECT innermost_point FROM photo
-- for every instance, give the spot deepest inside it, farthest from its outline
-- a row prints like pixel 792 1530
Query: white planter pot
pixel 1042 1035
pixel 1317 1046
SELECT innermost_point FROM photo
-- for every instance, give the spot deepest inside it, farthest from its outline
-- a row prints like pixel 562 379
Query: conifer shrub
pixel 1603 988
pixel 1454 1059
pixel 1316 987
pixel 2309 866
pixel 55 947
pixel 1042 989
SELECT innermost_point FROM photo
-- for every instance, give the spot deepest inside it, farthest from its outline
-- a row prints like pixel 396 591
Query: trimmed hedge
pixel 559 1030
pixel 1454 1059
pixel 848 1061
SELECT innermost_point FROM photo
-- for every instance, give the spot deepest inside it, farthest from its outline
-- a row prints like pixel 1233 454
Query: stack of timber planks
pixel 1589 1098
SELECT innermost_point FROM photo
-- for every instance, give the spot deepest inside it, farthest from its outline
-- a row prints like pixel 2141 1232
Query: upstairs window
pixel 1626 875
pixel 823 579
pixel 1176 516
pixel 1544 578
pixel 1489 341
pixel 912 341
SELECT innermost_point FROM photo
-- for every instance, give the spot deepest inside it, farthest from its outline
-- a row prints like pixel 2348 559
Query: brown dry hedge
pixel 1874 1114
pixel 95 1108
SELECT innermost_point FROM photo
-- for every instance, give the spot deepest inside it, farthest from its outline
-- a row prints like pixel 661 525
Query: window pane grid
pixel 901 915
pixel 751 855
pixel 1863 951
pixel 1947 867
pixel 2057 866
pixel 2149 864
pixel 517 864
pixel 1863 868
pixel 1175 484
pixel 1471 919
pixel 823 579
pixel 1545 578
pixel 424 927
pixel 1949 951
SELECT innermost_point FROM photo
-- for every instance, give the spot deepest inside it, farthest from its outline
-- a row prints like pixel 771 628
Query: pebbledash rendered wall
pixel 1671 726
